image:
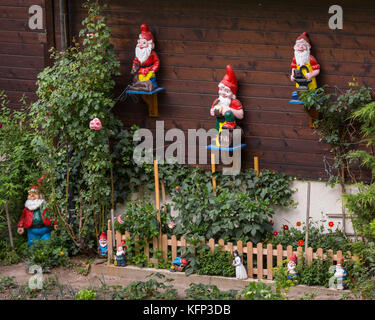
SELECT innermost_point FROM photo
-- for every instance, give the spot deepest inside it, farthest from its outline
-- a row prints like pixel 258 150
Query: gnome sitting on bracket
pixel 37 224
pixel 146 63
pixel 226 108
pixel 305 68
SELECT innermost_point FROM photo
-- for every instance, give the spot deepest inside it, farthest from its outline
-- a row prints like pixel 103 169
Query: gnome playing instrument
pixel 304 65
pixel 146 62
pixel 37 224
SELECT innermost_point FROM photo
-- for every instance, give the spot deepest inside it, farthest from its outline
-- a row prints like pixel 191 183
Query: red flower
pixel 298 223
pixel 271 222
pixel 300 243
pixel 331 224
pixel 274 234
pixel 285 227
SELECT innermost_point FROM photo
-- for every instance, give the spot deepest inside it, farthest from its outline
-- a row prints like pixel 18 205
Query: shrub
pixel 315 274
pixel 86 294
pixel 208 292
pixel 260 291
pixel 319 237
pixel 218 263
pixel 47 253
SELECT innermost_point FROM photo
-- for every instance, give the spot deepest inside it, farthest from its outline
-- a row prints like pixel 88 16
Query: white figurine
pixel 240 269
pixel 340 275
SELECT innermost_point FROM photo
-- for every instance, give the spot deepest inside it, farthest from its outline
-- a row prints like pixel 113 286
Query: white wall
pixel 325 204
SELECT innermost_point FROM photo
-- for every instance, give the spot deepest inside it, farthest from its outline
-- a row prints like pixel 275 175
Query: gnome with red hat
pixel 226 108
pixel 120 255
pixel 292 273
pixel 146 62
pixel 305 68
pixel 37 224
pixel 103 245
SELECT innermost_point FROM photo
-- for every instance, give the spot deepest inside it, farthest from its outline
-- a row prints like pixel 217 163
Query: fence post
pixel 338 256
pixel 269 261
pixel 164 244
pixel 211 244
pixel 147 249
pixel 260 260
pixel 109 241
pixel 279 257
pixel 309 255
pixel 221 244
pixel 299 254
pixel 118 239
pixel 174 247
pixel 330 255
pixel 249 247
pixel 230 247
pixel 319 253
pixel 289 252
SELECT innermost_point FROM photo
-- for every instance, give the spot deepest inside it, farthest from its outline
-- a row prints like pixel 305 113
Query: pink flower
pixel 120 221
pixel 90 35
pixel 171 225
pixel 1 125
pixel 95 124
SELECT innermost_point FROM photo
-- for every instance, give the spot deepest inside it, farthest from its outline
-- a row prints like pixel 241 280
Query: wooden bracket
pixel 152 103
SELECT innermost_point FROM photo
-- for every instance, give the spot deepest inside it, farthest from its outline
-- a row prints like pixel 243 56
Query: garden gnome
pixel 292 273
pixel 305 68
pixel 240 269
pixel 146 62
pixel 120 255
pixel 340 275
pixel 37 224
pixel 103 245
pixel 178 264
pixel 226 108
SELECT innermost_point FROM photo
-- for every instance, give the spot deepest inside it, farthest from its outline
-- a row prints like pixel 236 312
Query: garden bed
pixel 182 282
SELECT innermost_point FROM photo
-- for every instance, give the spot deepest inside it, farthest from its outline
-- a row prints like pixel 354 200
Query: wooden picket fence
pixel 257 252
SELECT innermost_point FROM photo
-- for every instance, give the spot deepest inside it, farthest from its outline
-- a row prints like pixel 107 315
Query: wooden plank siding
pixel 23 52
pixel 195 40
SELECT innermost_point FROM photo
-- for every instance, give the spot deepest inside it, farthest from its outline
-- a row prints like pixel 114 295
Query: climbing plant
pixel 76 159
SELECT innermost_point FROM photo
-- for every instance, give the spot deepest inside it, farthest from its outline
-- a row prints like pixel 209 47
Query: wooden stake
pixel 307 216
pixel 113 227
pixel 9 226
pixel 256 165
pixel 157 198
pixel 163 192
pixel 213 171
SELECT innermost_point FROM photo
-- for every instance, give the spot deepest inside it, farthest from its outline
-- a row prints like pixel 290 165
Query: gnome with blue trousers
pixel 37 224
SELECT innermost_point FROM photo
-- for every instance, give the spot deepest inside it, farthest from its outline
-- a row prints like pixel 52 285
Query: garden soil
pixel 70 277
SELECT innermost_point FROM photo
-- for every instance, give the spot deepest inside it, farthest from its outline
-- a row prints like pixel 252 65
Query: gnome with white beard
pixel 226 108
pixel 303 61
pixel 37 224
pixel 146 63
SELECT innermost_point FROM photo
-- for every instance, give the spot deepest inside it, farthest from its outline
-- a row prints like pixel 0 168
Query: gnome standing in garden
pixel 226 108
pixel 103 245
pixel 305 68
pixel 146 63
pixel 37 224
pixel 120 255
pixel 292 273
pixel 340 275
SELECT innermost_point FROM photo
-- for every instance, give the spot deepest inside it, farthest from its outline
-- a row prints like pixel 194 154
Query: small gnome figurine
pixel 103 245
pixel 226 108
pixel 146 62
pixel 340 275
pixel 120 255
pixel 241 273
pixel 178 264
pixel 292 273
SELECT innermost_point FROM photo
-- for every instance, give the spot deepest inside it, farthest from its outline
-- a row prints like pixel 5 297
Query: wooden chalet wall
pixel 195 40
pixel 23 52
